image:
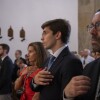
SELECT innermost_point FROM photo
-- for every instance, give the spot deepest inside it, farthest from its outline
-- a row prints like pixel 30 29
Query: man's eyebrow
pixel 95 23
pixel 44 31
pixel 98 12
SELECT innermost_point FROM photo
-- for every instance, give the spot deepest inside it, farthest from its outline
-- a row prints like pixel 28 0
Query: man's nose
pixel 42 38
pixel 93 31
pixel 28 55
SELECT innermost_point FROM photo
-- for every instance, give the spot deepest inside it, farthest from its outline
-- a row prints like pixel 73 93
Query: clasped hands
pixel 78 85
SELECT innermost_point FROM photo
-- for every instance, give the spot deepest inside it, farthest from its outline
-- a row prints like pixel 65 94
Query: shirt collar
pixel 56 54
pixel 4 57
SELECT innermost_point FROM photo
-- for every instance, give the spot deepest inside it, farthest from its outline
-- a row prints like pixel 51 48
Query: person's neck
pixel 33 63
pixel 33 68
pixel 4 55
pixel 56 47
pixel 85 56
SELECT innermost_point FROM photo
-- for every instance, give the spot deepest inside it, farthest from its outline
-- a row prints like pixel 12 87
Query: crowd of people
pixel 58 75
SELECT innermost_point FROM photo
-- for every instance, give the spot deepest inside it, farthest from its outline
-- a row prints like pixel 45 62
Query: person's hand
pixel 25 71
pixel 77 86
pixel 36 96
pixel 28 70
pixel 43 77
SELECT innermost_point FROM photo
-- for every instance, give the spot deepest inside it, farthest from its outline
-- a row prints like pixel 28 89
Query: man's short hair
pixel 5 47
pixel 59 25
pixel 19 51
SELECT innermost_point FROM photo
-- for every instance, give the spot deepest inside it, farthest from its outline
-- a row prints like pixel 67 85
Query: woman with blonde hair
pixel 37 56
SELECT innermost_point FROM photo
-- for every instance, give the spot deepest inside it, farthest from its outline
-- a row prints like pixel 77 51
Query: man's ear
pixel 58 35
pixel 5 51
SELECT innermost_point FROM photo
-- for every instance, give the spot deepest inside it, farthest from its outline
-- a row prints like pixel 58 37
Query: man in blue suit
pixel 51 81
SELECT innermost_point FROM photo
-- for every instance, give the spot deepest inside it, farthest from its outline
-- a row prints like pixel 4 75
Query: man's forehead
pixel 97 13
pixel 96 17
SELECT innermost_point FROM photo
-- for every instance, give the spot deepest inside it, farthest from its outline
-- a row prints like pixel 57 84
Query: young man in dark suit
pixel 89 86
pixel 52 80
pixel 6 68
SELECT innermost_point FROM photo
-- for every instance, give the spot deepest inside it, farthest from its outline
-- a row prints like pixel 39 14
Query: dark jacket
pixel 6 68
pixel 92 70
pixel 64 68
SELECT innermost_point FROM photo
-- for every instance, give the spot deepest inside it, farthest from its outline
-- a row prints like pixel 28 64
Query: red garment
pixel 28 93
pixel 22 70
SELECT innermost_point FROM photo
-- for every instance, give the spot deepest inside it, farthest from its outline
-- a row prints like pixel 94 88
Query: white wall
pixel 30 14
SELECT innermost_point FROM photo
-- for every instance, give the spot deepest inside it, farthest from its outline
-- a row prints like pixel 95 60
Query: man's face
pixel 85 53
pixel 17 55
pixel 48 39
pixel 1 51
pixel 81 53
pixel 95 32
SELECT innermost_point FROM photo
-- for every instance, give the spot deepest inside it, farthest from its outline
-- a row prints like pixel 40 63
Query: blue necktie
pixel 51 60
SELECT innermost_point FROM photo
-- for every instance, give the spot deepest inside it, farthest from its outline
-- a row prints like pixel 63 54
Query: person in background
pixel 6 68
pixel 88 85
pixel 20 63
pixel 27 60
pixel 62 65
pixel 18 55
pixel 87 57
pixel 21 66
pixel 76 54
pixel 81 55
pixel 93 54
pixel 97 55
pixel 37 56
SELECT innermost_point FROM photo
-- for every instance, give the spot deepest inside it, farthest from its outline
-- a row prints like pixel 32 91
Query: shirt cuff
pixel 34 85
pixel 67 98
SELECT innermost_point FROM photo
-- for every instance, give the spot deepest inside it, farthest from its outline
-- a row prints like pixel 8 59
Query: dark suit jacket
pixel 64 68
pixel 92 70
pixel 6 68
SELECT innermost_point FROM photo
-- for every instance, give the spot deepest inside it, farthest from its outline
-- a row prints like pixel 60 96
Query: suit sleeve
pixel 34 86
pixel 71 69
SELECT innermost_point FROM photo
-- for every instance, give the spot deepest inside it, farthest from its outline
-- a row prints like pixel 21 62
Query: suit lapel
pixel 55 66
